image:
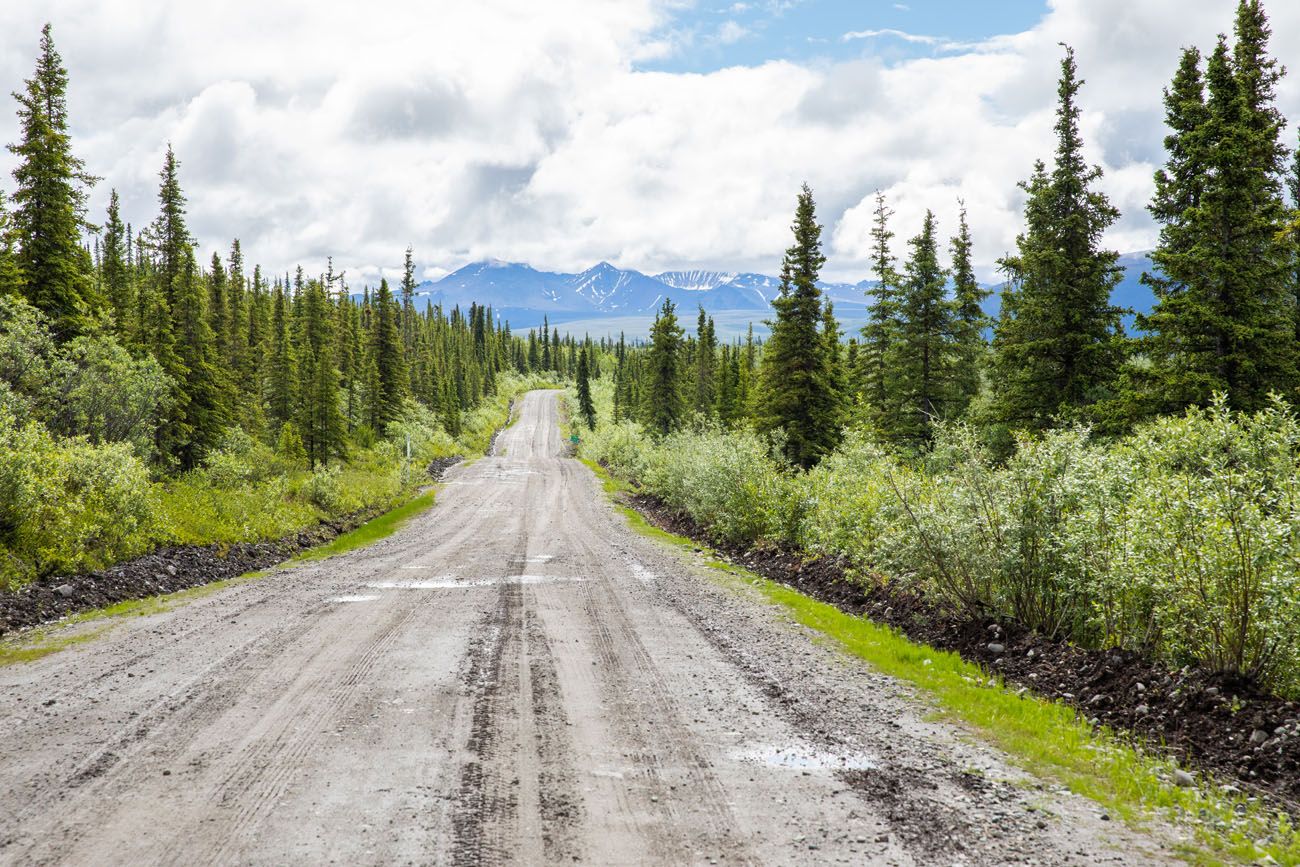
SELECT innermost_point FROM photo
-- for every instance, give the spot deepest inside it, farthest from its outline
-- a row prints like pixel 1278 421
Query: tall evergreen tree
pixel 922 355
pixel 706 351
pixel 1058 346
pixel 586 408
pixel 1225 317
pixel 11 281
pixel 663 406
pixel 797 385
pixel 118 286
pixel 206 411
pixel 282 363
pixel 171 234
pixel 970 319
pixel 319 417
pixel 50 199
pixel 390 365
pixel 874 378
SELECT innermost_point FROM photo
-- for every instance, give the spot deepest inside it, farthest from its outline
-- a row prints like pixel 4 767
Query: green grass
pixel 1046 738
pixel 33 644
pixel 372 531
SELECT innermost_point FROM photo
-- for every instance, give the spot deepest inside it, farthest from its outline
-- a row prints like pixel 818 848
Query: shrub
pixel 67 505
pixel 1216 539
pixel 323 489
pixel 850 507
pixel 726 481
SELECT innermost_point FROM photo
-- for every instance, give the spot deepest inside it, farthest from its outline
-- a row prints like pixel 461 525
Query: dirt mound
pixel 1222 723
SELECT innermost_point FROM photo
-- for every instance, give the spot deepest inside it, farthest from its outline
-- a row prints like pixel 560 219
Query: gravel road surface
pixel 514 677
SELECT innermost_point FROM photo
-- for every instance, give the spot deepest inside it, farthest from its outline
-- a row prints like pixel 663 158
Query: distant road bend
pixel 514 677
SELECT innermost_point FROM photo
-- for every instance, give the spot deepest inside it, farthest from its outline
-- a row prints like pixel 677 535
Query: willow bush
pixel 1181 540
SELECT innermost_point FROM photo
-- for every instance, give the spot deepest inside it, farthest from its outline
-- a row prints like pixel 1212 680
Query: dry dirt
pixel 514 677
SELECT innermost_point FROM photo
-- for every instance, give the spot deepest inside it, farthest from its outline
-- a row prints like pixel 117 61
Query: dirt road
pixel 514 677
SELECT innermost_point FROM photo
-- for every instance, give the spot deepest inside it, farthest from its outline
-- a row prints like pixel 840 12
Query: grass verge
pixel 372 531
pixel 77 629
pixel 1043 737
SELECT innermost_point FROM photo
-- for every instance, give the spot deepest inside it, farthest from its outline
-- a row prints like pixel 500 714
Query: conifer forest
pixel 1071 527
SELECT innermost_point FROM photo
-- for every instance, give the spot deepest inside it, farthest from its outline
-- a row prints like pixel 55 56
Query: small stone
pixel 1213 690
pixel 167 773
pixel 1140 687
pixel 1257 737
pixel 171 570
pixel 1183 780
pixel 1105 817
pixel 1141 710
pixel 64 590
pixel 994 647
pixel 1097 699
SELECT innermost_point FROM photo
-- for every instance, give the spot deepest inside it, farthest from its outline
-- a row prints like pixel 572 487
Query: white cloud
pixel 521 130
pixel 897 34
pixel 731 32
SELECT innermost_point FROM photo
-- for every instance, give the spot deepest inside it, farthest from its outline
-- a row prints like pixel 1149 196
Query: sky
pixel 653 134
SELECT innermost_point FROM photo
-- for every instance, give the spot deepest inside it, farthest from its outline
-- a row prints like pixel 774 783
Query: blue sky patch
pixel 714 34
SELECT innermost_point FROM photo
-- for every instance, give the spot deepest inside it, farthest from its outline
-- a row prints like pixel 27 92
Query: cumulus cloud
pixel 527 131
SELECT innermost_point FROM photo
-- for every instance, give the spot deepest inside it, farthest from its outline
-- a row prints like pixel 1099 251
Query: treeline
pixel 199 348
pixel 1226 283
pixel 148 398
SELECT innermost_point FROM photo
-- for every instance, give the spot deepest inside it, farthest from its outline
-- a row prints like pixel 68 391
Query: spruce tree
pixel 662 406
pixel 171 234
pixel 705 364
pixel 390 365
pixel 11 281
pixel 837 369
pixel 586 408
pixel 206 412
pixel 1225 317
pixel 797 383
pixel 922 355
pixel 875 378
pixel 319 416
pixel 49 200
pixel 282 364
pixel 118 286
pixel 969 320
pixel 1058 346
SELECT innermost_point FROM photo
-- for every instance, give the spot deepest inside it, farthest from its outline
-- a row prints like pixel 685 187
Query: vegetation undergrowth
pixel 1045 738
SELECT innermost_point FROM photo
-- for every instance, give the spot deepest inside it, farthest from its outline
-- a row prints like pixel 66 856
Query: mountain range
pixel 522 294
